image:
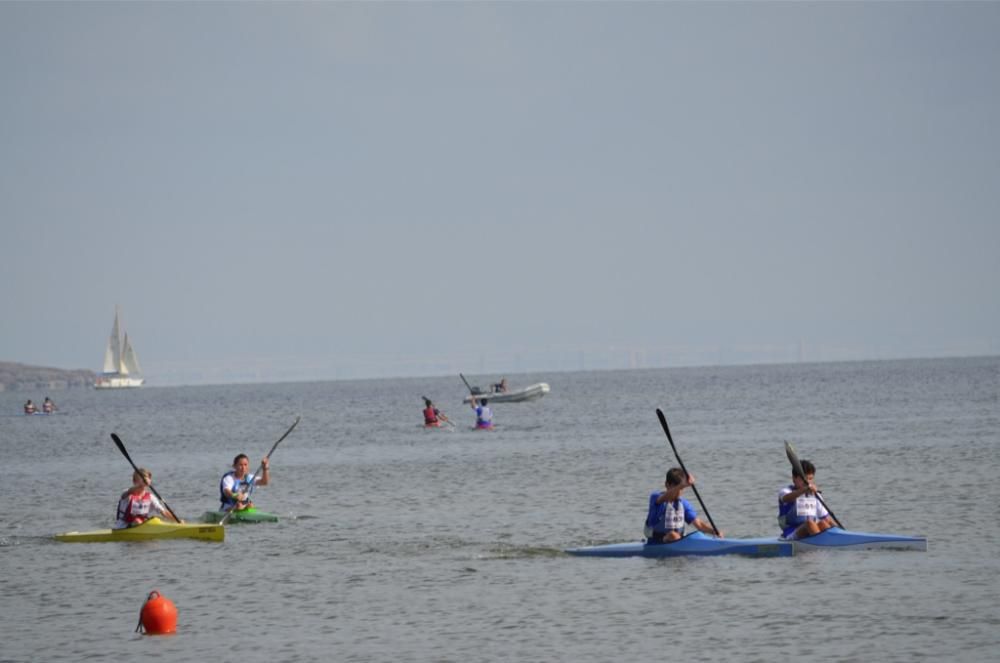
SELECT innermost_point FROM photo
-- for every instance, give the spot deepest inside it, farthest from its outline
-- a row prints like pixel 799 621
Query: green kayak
pixel 251 515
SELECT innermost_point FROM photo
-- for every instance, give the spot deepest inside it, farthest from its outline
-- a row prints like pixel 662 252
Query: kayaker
pixel 29 407
pixel 669 512
pixel 234 488
pixel 432 415
pixel 484 415
pixel 138 504
pixel 48 407
pixel 800 513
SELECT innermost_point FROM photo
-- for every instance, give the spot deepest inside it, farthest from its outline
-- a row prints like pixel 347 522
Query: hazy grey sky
pixel 284 190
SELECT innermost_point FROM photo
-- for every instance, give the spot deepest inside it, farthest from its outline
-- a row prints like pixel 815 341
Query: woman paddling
pixel 138 504
pixel 235 486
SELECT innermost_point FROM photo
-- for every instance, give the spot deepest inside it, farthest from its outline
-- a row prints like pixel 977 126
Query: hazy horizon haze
pixel 320 190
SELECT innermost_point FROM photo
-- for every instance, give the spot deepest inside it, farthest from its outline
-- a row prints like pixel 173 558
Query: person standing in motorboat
pixel 484 415
pixel 800 512
pixel 235 486
pixel 500 387
pixel 138 504
pixel 669 512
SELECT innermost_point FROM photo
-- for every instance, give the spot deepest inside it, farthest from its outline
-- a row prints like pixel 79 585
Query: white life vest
pixel 673 518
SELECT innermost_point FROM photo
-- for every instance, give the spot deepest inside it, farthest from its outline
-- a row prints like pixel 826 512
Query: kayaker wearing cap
pixel 29 407
pixel 484 415
pixel 669 512
pixel 138 504
pixel 800 513
pixel 234 488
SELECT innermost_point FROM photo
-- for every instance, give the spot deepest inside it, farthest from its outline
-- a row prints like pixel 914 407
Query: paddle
pixel 230 510
pixel 797 466
pixel 472 391
pixel 666 429
pixel 121 448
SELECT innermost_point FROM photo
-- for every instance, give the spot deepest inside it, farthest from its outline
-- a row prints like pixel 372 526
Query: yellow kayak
pixel 151 530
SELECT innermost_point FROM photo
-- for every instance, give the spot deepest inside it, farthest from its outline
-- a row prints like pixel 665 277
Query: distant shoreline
pixel 22 377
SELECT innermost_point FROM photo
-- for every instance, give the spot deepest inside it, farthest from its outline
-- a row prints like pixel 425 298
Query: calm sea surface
pixel 400 543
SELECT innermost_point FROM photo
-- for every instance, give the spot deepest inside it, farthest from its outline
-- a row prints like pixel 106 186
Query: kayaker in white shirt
pixel 484 415
pixel 138 504
pixel 800 512
pixel 234 488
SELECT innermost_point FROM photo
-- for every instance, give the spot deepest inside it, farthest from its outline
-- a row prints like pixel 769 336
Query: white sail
pixel 112 354
pixel 129 360
pixel 121 367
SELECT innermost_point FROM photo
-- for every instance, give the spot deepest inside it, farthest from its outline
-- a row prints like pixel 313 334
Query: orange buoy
pixel 158 615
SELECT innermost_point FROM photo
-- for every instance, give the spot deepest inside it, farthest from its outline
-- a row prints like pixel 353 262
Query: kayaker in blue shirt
pixel 669 512
pixel 800 514
pixel 234 488
pixel 484 415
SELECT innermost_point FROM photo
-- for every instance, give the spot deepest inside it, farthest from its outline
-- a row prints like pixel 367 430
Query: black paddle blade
pixel 794 460
pixel 121 448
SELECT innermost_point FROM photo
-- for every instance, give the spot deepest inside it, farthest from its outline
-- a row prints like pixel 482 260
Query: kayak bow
pixel 840 539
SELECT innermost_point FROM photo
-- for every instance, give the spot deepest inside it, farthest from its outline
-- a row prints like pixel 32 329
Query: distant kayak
pixel 694 544
pixel 839 539
pixel 251 515
pixel 529 393
pixel 151 530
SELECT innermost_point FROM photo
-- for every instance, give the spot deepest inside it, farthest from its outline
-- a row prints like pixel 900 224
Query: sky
pixel 327 190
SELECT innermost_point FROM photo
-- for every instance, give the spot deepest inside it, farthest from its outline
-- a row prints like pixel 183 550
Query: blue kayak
pixel 696 543
pixel 839 539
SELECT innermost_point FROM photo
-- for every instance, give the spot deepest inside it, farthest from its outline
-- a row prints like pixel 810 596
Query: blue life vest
pixel 238 485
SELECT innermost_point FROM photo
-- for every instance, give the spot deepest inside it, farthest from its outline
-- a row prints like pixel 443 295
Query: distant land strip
pixel 21 377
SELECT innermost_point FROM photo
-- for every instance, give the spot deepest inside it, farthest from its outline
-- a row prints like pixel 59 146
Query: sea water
pixel 401 543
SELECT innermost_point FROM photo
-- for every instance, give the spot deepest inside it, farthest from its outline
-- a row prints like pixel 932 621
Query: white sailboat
pixel 121 367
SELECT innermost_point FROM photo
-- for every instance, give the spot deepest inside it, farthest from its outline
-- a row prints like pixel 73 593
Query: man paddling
pixel 800 512
pixel 235 486
pixel 669 512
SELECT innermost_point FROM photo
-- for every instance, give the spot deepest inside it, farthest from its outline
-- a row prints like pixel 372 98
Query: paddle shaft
pixel 797 467
pixel 121 448
pixel 473 393
pixel 229 511
pixel 666 429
